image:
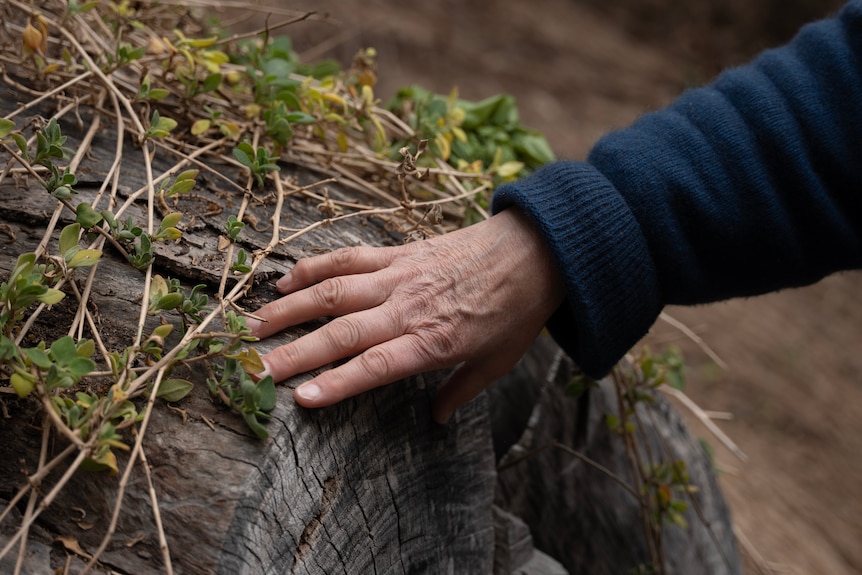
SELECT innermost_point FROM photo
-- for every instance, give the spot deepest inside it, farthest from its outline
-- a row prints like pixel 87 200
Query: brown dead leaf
pixel 71 544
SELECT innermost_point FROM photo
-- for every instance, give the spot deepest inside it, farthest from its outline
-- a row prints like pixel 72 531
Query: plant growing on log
pixel 660 483
pixel 178 93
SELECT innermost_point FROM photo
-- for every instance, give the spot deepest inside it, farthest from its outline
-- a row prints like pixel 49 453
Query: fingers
pixel 331 297
pixel 464 384
pixel 377 366
pixel 341 262
pixel 340 338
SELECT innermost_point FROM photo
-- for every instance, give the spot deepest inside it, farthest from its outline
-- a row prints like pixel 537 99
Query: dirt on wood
pixel 581 68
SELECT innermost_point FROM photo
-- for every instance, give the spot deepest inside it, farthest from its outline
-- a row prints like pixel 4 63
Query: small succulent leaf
pixel 50 296
pixel 87 216
pixel 173 389
pixel 69 237
pixel 37 356
pixel 255 425
pixel 84 258
pixel 6 127
pixel 267 393
pixel 22 385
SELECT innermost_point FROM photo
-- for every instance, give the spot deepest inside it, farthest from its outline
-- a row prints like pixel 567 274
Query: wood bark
pixel 371 485
pixel 576 512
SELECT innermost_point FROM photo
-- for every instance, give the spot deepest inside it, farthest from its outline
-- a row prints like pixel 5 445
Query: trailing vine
pixel 236 107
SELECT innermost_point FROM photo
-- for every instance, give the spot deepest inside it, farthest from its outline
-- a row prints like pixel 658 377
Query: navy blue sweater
pixel 747 185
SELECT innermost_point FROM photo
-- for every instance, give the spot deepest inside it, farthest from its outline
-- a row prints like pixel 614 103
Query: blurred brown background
pixel 582 67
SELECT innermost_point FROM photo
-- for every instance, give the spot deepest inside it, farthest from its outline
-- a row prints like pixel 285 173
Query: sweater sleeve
pixel 750 184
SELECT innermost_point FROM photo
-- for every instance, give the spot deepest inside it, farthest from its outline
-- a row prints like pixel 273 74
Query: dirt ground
pixel 582 67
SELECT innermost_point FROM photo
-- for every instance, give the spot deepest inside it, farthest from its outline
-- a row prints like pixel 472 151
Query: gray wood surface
pixel 369 486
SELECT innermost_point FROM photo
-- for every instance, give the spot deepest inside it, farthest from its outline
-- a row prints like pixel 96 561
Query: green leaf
pixel 211 82
pixel 267 393
pixel 64 350
pixel 37 356
pixel 87 216
pixel 170 301
pixel 84 258
pixel 63 193
pixel 160 127
pixel 23 265
pixel 163 331
pixel 21 142
pixel 6 127
pixel 255 425
pixel 187 175
pixel 242 156
pixel 175 389
pixel 300 118
pixel 86 348
pixel 81 366
pixel 171 220
pixel 180 187
pixel 69 238
pixel 50 296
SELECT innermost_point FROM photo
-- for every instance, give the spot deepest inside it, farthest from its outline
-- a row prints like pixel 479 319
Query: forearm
pixel 750 184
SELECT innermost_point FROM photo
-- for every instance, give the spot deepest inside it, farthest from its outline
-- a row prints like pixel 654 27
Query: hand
pixel 476 297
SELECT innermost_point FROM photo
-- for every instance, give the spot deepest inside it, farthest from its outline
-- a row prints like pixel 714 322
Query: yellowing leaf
pixel 251 361
pixel 509 169
pixel 106 461
pixel 158 286
pixel 22 385
pixel 200 42
pixel 229 129
pixel 31 40
pixel 200 127
pixel 341 139
pixel 157 46
pixel 444 148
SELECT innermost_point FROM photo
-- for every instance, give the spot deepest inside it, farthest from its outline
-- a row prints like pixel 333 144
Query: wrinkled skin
pixel 475 298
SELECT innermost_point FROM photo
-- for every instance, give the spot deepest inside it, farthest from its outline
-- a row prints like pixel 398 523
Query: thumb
pixel 464 384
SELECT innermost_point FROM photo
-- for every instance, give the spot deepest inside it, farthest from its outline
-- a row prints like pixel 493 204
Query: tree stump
pixel 369 486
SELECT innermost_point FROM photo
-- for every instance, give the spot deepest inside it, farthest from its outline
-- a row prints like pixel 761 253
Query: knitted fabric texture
pixel 750 184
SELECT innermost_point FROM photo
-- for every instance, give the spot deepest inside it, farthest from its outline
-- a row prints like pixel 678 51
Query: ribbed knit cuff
pixel 613 295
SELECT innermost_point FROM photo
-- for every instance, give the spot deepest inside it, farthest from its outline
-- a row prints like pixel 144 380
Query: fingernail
pixel 266 370
pixel 252 324
pixel 308 391
pixel 284 282
pixel 261 374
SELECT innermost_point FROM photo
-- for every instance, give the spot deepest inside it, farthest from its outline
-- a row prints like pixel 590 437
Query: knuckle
pixel 344 334
pixel 303 269
pixel 330 294
pixel 344 258
pixel 377 364
pixel 282 358
pixel 441 345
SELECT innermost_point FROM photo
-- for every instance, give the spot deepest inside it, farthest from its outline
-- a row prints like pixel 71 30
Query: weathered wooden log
pixel 369 486
pixel 576 511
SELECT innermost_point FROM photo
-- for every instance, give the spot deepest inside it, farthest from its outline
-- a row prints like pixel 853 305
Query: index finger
pixel 343 261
